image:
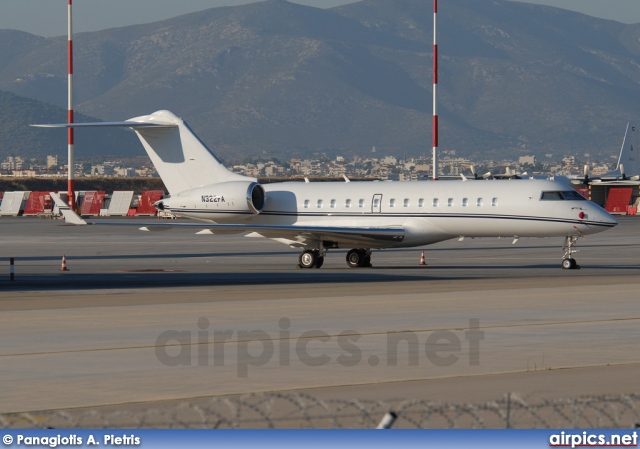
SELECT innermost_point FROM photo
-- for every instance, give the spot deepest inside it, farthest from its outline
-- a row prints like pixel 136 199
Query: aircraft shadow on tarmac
pixel 155 256
pixel 258 254
pixel 159 278
pixel 155 279
pixel 192 269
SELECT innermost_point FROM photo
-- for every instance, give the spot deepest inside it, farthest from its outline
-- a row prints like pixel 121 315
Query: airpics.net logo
pixel 210 346
pixel 593 439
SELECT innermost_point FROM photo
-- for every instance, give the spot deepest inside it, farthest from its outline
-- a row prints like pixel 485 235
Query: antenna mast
pixel 70 133
pixel 435 84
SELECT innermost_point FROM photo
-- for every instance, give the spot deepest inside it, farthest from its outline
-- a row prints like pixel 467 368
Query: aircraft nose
pixel 605 217
pixel 610 219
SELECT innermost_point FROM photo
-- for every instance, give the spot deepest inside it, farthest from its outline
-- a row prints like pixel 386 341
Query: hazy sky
pixel 49 17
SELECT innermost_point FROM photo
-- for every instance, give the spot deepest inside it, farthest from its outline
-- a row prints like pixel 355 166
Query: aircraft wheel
pixel 355 258
pixel 569 264
pixel 358 258
pixel 319 261
pixel 308 259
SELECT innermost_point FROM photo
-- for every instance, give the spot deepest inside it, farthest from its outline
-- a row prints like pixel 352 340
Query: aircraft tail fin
pixel 629 162
pixel 183 161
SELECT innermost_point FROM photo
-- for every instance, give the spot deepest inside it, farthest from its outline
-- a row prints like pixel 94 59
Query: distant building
pixel 531 160
pixel 97 170
pixel 52 161
pixel 13 163
pixel 24 173
pixel 124 172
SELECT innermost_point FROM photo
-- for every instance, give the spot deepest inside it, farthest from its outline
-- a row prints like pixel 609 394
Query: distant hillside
pixel 18 138
pixel 285 79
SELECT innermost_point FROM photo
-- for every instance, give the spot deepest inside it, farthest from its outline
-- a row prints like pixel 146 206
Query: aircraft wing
pixel 296 235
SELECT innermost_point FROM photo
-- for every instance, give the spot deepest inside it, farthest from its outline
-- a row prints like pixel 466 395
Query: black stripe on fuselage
pixel 382 215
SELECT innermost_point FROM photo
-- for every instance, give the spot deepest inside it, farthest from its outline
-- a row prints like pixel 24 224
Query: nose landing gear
pixel 568 262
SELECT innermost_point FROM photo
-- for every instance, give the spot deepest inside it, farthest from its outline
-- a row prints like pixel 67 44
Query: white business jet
pixel 318 216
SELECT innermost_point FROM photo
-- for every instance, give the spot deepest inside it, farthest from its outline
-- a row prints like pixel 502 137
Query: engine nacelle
pixel 224 200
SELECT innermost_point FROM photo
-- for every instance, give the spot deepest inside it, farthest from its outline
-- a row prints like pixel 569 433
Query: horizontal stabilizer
pixel 125 124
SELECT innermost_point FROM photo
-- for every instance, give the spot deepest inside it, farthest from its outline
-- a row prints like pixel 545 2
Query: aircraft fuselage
pixel 428 211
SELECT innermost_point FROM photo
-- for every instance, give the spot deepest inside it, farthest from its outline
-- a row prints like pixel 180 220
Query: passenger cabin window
pixel 333 204
pixel 494 201
pixel 465 201
pixel 406 202
pixel 421 202
pixel 450 202
pixel 319 204
pixel 306 204
pixel 360 203
pixel 347 204
pixel 479 202
pixel 392 202
pixel 376 202
pixel 436 202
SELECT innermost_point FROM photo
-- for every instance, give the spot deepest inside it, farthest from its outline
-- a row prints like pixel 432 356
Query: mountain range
pixel 18 139
pixel 283 79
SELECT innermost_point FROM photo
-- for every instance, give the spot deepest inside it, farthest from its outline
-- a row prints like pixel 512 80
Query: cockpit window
pixel 573 195
pixel 551 196
pixel 566 195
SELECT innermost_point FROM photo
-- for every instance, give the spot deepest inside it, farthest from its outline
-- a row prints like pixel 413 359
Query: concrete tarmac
pixel 154 318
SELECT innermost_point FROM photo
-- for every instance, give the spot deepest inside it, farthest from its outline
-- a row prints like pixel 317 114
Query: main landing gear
pixel 311 258
pixel 314 258
pixel 568 262
pixel 359 257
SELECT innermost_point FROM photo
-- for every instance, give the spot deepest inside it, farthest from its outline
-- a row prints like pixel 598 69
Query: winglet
pixel 70 217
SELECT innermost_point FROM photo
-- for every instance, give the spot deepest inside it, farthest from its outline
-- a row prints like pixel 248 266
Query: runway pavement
pixel 148 317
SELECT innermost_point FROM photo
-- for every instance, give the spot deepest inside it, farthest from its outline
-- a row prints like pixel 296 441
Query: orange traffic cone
pixel 64 264
pixel 422 261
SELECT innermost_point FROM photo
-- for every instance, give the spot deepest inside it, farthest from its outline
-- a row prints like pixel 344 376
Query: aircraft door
pixel 376 203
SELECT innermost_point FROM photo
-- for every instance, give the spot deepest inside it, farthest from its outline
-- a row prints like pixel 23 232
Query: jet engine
pixel 233 198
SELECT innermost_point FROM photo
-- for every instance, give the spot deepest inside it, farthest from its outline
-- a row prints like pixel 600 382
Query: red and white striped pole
pixel 70 133
pixel 435 85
